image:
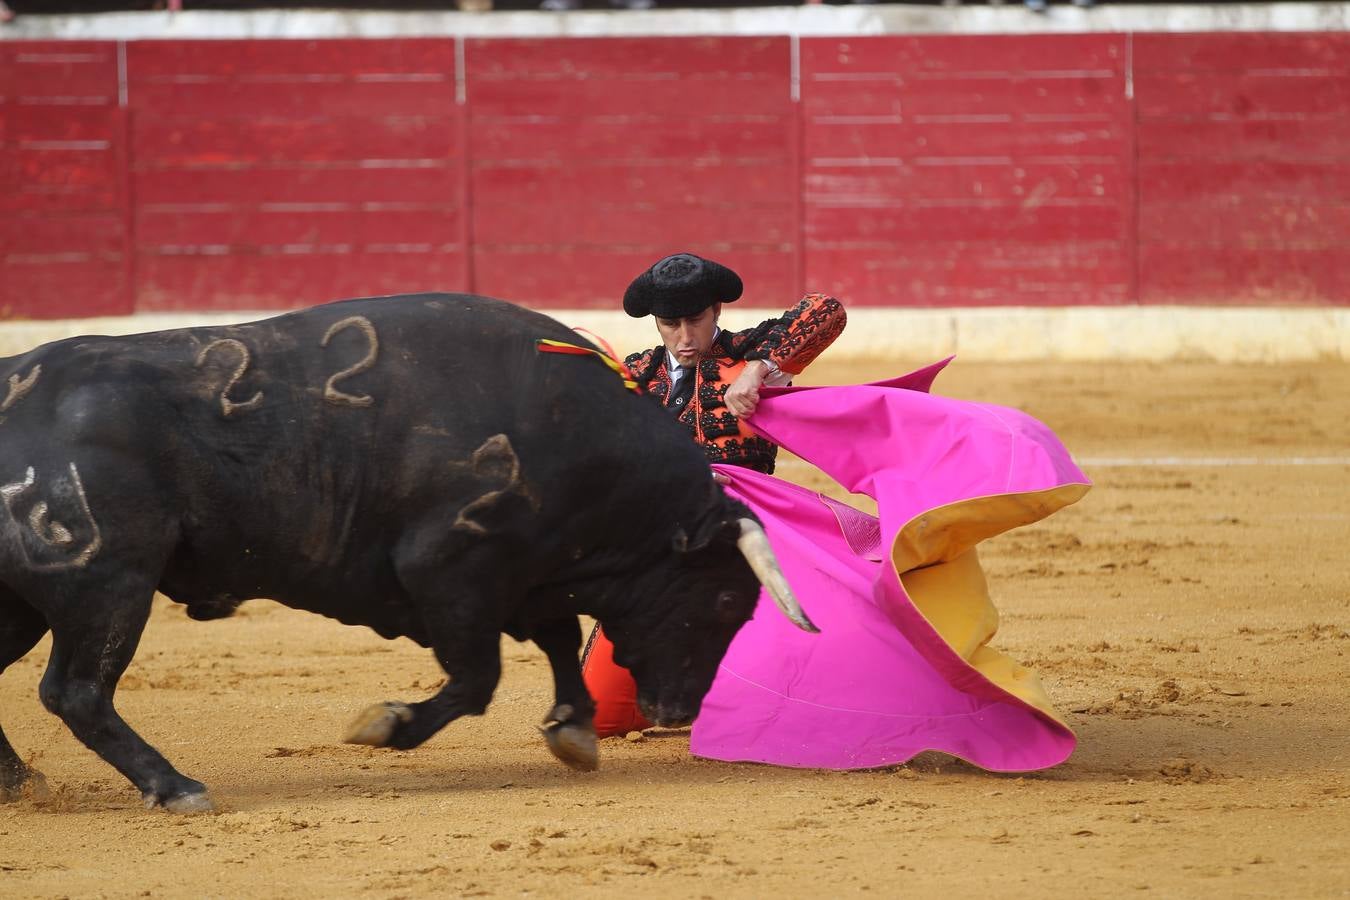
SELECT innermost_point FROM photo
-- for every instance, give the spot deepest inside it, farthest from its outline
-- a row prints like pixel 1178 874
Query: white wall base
pixel 1074 334
pixel 804 20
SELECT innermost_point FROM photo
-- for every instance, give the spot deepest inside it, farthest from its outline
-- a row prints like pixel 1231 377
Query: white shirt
pixel 775 378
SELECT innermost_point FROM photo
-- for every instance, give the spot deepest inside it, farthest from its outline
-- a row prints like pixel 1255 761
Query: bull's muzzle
pixel 665 716
pixel 754 545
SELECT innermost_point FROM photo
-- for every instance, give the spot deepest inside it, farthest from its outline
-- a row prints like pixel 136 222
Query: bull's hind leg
pixel 21 627
pixel 90 651
pixel 569 728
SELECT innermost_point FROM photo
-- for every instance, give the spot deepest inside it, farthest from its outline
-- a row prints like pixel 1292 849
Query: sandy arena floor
pixel 1192 620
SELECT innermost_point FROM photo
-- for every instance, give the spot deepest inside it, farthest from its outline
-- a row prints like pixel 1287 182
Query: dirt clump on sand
pixel 1188 617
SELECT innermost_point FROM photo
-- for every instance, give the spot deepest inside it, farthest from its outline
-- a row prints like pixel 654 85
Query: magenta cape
pixel 902 663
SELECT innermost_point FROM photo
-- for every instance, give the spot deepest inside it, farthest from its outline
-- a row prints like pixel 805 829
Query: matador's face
pixel 690 337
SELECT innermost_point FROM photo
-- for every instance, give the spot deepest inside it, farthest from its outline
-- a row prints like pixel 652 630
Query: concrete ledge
pixel 812 20
pixel 1077 334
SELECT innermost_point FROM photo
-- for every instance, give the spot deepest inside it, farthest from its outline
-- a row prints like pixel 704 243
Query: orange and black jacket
pixel 790 341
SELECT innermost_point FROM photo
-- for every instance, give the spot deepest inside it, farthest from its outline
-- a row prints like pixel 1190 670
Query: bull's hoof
pixel 32 787
pixel 575 746
pixel 376 725
pixel 572 743
pixel 182 804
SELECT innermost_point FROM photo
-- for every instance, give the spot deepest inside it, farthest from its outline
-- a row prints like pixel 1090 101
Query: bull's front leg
pixel 460 578
pixel 472 662
pixel 569 727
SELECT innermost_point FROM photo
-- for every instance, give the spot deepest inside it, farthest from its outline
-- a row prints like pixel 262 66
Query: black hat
pixel 681 285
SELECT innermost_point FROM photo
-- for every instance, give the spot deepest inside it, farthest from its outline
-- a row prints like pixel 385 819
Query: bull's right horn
pixel 754 545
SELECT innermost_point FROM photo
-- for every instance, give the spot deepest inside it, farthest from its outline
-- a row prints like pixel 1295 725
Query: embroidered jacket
pixel 790 341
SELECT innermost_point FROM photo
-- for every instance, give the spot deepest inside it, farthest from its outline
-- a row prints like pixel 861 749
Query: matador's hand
pixel 743 395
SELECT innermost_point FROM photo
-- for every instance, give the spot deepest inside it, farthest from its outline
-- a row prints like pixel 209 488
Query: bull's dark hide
pixel 412 464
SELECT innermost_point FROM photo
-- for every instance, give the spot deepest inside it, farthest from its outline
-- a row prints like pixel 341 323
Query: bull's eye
pixel 728 605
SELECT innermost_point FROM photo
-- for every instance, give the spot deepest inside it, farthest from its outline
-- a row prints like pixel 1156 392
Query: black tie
pixel 681 393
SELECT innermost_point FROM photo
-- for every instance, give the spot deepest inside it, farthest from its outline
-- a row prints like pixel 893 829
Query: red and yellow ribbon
pixel 545 345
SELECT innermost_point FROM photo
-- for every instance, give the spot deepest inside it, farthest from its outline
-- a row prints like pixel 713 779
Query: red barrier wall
pixel 63 198
pixel 1244 168
pixel 594 157
pixel 970 170
pixel 278 173
pixel 933 170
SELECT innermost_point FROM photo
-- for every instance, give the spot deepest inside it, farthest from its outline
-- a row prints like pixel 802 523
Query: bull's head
pixel 690 609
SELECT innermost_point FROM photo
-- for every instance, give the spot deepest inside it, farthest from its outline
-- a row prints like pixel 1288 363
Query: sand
pixel 1191 620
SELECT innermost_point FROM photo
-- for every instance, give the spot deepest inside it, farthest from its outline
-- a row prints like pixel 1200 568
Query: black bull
pixel 413 464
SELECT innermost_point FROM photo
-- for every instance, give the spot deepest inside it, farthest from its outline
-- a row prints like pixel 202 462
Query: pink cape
pixel 902 663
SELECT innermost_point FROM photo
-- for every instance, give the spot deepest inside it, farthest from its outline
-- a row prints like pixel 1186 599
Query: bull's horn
pixel 754 544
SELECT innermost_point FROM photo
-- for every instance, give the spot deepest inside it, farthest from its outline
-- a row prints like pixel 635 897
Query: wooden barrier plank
pixel 663 145
pixel 672 140
pixel 971 142
pixel 262 58
pixel 1244 168
pixel 33 121
pixel 295 172
pixel 1240 52
pixel 691 60
pixel 74 73
pixel 1251 95
pixel 283 97
pixel 1017 96
pixel 961 148
pixel 593 97
pixel 971 222
pixel 285 224
pixel 350 181
pixel 1242 177
pixel 1306 138
pixel 1230 274
pixel 973 274
pixel 55 180
pixel 587 276
pixel 290 280
pixel 664 225
pixel 636 182
pixel 914 57
pixel 1274 223
pixel 958 183
pixel 63 286
pixel 63 235
pixel 170 141
pixel 73 233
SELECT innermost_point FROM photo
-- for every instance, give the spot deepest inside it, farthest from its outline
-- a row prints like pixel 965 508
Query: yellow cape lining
pixel 935 557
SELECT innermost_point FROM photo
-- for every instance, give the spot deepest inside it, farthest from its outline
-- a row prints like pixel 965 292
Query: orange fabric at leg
pixel 612 688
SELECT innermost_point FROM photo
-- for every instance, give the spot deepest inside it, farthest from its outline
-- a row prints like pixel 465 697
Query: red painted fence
pixel 905 171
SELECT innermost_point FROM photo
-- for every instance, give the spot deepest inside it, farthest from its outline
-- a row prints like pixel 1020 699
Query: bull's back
pixel 288 456
pixel 295 447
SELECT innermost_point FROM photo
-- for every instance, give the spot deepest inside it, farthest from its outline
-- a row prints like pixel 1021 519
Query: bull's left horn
pixel 754 545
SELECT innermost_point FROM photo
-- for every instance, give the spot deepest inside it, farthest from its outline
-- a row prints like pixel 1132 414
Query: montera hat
pixel 681 285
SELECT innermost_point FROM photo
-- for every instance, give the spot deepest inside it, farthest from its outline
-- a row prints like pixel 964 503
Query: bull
pixel 412 464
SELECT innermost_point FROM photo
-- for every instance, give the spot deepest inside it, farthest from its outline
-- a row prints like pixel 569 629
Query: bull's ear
pixel 721 524
pixel 724 531
pixel 728 532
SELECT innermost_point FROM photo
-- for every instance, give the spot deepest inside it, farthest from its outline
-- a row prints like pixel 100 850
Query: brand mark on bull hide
pixel 330 391
pixel 49 532
pixel 18 389
pixel 496 461
pixel 228 406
